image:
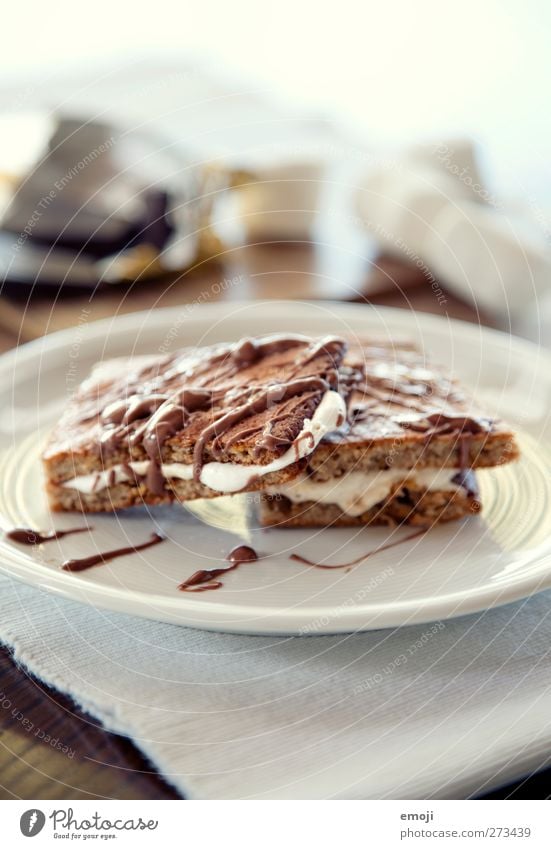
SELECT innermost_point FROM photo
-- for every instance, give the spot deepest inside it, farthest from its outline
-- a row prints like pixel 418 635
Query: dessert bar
pixel 197 423
pixel 407 453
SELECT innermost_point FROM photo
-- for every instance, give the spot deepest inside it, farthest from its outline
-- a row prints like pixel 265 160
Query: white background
pixel 398 69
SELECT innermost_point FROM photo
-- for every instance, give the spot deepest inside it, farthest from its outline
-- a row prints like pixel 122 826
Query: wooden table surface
pixel 107 765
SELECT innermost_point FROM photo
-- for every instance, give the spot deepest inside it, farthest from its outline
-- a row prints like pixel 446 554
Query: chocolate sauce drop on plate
pixel 81 563
pixel 300 559
pixel 27 536
pixel 205 579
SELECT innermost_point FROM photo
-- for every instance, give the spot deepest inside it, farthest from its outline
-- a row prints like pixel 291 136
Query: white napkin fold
pixel 442 710
pixel 432 205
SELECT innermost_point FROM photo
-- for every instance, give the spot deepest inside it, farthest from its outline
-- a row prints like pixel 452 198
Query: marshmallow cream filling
pixel 230 477
pixel 357 492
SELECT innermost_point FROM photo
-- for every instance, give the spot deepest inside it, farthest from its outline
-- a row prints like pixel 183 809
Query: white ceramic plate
pixel 457 568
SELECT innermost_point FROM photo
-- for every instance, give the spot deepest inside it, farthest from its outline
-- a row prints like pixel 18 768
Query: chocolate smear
pixel 222 388
pixel 465 477
pixel 28 536
pixel 81 563
pixel 273 394
pixel 205 579
pixel 300 559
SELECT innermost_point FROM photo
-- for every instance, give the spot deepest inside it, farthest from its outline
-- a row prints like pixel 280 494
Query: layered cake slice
pixel 407 453
pixel 195 424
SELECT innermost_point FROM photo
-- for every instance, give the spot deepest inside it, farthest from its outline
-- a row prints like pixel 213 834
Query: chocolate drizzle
pixel 300 559
pixel 246 352
pixel 257 391
pixel 263 400
pixel 441 424
pixel 393 394
pixel 465 477
pixel 81 563
pixel 28 536
pixel 205 579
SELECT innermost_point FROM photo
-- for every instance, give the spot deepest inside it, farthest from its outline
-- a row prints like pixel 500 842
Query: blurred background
pixel 185 153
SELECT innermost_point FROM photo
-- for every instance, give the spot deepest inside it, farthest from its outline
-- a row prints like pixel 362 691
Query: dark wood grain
pixel 94 763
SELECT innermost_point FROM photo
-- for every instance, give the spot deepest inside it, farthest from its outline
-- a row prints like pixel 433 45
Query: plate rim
pixel 57 338
pixel 111 598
